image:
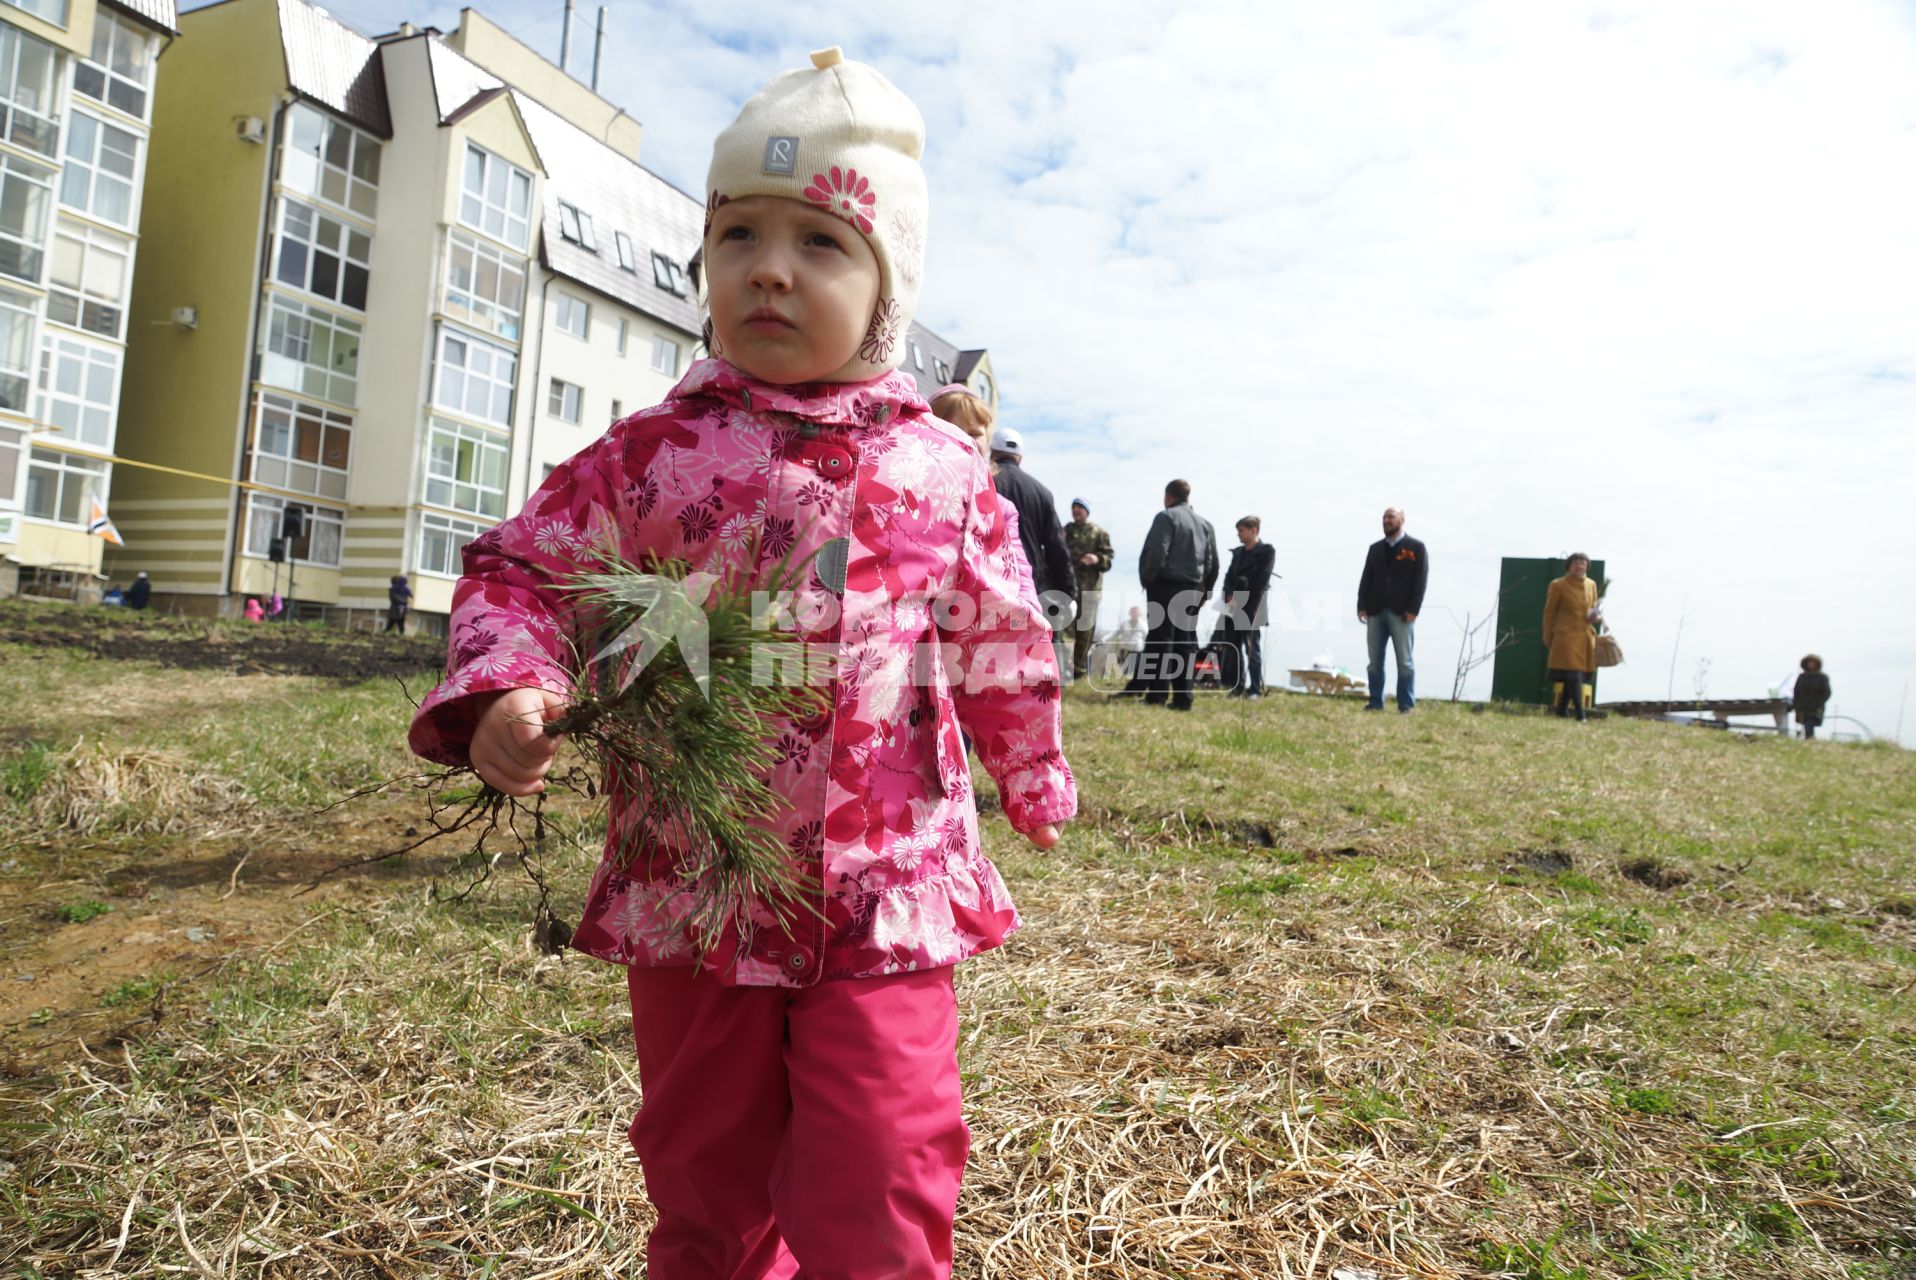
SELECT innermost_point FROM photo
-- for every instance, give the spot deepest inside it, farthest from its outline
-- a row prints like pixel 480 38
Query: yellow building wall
pixel 374 550
pixel 183 393
pixel 75 37
pixel 43 544
pixel 489 46
pixel 984 366
pixel 255 578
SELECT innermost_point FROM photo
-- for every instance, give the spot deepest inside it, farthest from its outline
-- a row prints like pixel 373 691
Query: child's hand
pixel 510 750
pixel 1044 837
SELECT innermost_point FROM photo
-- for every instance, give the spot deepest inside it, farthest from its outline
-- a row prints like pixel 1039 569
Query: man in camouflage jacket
pixel 1090 548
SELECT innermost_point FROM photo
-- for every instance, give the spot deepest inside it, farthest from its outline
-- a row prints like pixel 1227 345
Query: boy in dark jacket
pixel 1239 637
pixel 1390 595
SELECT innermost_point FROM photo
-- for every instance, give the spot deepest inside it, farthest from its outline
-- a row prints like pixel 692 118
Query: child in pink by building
pixel 801 1105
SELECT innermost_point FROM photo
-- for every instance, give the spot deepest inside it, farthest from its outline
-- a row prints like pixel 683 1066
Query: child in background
pixel 801 1094
pixel 957 404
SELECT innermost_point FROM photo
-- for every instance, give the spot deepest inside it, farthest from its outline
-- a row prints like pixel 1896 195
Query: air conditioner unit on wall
pixel 249 128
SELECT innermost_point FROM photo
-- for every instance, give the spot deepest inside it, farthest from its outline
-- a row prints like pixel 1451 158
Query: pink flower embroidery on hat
pixel 845 194
pixel 883 333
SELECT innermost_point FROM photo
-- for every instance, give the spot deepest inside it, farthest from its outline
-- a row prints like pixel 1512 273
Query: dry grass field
pixel 1304 993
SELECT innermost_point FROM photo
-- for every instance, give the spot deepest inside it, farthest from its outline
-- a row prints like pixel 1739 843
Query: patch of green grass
pixel 25 770
pixel 135 990
pixel 1607 927
pixel 1649 1102
pixel 1254 887
pixel 81 911
pixel 1368 1105
pixel 1528 1260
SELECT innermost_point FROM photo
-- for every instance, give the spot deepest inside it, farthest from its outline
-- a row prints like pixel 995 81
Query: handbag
pixel 1609 652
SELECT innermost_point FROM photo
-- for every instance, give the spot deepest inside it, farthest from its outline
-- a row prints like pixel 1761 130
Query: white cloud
pixel 1629 277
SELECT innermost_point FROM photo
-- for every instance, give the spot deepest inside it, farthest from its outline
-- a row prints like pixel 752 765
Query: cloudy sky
pixel 1630 278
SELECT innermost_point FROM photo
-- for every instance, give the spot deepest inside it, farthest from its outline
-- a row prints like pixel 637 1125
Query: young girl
pixel 801 1094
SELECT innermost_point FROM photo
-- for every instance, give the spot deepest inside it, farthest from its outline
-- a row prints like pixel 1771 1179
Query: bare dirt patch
pixel 204 645
pixel 102 938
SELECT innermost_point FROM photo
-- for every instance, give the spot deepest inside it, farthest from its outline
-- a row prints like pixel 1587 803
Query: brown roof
pixel 330 63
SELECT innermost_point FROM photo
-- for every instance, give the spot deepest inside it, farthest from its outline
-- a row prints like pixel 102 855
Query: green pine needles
pixel 673 703
pixel 677 687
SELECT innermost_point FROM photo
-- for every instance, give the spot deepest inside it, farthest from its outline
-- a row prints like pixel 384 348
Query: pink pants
pixel 812 1133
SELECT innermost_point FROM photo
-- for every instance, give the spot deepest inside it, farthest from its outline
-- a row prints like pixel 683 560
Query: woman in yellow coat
pixel 1569 628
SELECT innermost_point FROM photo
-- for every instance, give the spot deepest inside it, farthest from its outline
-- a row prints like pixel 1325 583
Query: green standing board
pixel 1522 670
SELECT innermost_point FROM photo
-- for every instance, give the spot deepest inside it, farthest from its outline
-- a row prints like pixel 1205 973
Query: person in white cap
pixel 1038 524
pixel 802 1103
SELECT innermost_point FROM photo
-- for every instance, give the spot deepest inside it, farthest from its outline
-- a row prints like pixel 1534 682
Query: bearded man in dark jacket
pixel 1390 595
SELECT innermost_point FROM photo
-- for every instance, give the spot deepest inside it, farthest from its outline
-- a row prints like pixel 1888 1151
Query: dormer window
pixel 576 225
pixel 668 275
pixel 628 261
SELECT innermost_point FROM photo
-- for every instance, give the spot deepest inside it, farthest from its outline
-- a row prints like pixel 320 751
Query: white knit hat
pixel 840 136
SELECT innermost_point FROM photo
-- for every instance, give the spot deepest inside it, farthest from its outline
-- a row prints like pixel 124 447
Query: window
pixel 984 386
pixel 16 359
pixel 441 541
pixel 624 326
pixel 120 67
pixel 667 274
pixel 565 400
pixel 466 469
pixel 322 255
pixel 59 484
pixel 301 446
pixel 475 378
pixel 54 11
pixel 627 259
pixel 917 358
pixel 318 544
pixel 572 315
pixel 86 285
pixel 26 189
pixel 484 287
pixel 496 198
pixel 665 356
pixel 12 446
pixel 331 161
pixel 27 92
pixel 618 410
pixel 943 370
pixel 79 390
pixel 98 178
pixel 311 351
pixel 576 225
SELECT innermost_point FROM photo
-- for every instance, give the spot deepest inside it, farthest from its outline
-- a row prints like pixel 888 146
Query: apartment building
pixel 934 362
pixel 423 269
pixel 76 101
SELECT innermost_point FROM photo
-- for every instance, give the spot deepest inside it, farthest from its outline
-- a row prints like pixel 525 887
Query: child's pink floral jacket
pixel 733 475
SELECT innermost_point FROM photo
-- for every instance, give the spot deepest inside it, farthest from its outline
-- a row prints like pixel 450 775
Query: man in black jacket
pixel 1390 595
pixel 1040 533
pixel 1239 636
pixel 1178 569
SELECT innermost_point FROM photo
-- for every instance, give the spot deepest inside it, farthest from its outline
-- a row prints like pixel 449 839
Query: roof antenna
pixel 598 48
pixel 565 41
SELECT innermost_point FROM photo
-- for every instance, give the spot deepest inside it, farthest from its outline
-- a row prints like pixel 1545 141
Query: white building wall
pixel 596 365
